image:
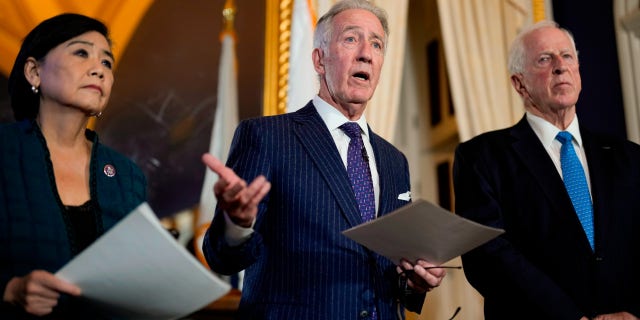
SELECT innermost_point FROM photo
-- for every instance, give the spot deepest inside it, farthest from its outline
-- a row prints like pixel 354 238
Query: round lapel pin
pixel 109 170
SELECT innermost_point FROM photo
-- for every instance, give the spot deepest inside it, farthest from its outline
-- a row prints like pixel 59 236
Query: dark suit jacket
pixel 298 264
pixel 543 267
pixel 33 233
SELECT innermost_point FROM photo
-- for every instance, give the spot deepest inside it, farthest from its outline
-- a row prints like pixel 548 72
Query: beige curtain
pixel 627 24
pixel 382 111
pixel 476 35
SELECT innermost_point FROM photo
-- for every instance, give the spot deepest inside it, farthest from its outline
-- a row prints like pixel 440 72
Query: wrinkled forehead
pixel 358 19
pixel 548 39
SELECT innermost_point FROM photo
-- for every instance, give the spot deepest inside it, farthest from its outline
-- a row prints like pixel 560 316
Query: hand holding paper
pixel 137 270
pixel 421 276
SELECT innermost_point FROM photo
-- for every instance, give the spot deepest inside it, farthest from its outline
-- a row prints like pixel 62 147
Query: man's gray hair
pixel 323 32
pixel 517 52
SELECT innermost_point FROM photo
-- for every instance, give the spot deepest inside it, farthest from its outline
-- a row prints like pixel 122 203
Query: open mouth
pixel 361 75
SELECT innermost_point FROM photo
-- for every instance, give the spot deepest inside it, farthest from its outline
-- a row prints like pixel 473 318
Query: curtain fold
pixel 382 110
pixel 476 35
pixel 627 24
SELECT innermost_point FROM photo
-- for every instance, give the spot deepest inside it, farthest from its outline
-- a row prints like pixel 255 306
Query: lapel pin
pixel 109 170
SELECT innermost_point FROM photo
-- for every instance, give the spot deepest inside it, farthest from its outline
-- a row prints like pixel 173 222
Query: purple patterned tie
pixel 360 176
pixel 359 171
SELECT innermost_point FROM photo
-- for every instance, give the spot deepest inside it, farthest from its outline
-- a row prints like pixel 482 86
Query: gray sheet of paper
pixel 137 270
pixel 421 230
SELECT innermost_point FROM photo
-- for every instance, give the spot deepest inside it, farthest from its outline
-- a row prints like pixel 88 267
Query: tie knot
pixel 352 129
pixel 564 137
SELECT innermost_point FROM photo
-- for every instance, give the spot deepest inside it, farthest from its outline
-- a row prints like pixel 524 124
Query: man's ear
pixel 31 71
pixel 318 60
pixel 516 82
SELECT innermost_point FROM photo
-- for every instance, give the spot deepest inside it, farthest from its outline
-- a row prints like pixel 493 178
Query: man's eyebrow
pixel 357 28
pixel 351 28
pixel 106 52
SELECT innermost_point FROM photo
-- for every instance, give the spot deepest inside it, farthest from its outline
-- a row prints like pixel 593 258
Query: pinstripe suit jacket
pixel 298 264
pixel 543 267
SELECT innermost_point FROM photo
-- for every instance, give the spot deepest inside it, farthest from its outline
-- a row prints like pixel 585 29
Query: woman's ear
pixel 31 72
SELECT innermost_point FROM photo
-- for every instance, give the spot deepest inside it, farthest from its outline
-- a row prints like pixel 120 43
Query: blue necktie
pixel 360 176
pixel 359 171
pixel 576 183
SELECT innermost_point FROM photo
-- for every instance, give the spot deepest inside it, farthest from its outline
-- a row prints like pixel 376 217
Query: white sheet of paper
pixel 139 271
pixel 421 230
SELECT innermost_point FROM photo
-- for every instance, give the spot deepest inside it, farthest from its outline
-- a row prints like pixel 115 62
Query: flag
pixel 224 124
pixel 303 80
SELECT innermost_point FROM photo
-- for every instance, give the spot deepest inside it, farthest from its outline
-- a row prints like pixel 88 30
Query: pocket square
pixel 405 196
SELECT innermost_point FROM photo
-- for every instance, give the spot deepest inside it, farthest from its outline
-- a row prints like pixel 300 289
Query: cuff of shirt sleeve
pixel 235 234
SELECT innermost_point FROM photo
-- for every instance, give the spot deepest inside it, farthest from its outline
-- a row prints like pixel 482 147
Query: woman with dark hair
pixel 60 189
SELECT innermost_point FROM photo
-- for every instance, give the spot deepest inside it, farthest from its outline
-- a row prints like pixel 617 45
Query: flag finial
pixel 229 14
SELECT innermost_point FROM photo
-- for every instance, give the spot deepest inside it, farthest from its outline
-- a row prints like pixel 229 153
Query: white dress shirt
pixel 547 133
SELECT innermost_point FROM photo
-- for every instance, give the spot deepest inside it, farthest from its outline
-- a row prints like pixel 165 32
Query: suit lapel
pixel 385 170
pixel 536 159
pixel 600 162
pixel 313 134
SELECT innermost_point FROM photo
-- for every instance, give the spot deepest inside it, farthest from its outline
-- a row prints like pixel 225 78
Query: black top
pixel 81 225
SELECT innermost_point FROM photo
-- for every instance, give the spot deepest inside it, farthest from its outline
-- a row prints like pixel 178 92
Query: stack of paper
pixel 137 270
pixel 421 230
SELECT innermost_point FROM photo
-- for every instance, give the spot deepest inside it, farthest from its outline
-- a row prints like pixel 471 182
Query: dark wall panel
pixel 164 99
pixel 600 106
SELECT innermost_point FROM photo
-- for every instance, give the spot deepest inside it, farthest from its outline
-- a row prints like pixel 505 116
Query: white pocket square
pixel 405 196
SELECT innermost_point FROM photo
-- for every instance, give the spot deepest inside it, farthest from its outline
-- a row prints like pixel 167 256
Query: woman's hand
pixel 37 292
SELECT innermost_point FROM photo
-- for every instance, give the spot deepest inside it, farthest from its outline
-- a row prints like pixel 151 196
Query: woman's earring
pixel 34 89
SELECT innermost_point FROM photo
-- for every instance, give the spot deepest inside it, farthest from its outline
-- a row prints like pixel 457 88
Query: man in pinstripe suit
pixel 285 227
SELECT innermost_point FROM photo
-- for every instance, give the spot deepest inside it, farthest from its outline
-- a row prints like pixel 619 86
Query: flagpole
pixel 225 120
